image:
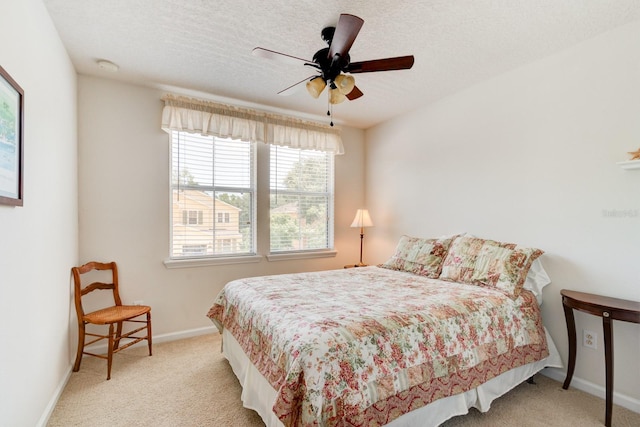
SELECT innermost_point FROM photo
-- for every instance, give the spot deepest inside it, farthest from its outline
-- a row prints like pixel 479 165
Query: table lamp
pixel 361 220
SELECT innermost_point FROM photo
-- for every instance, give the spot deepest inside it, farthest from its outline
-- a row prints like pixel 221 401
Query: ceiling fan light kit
pixel 333 62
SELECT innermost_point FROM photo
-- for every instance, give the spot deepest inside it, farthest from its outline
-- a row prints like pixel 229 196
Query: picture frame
pixel 11 140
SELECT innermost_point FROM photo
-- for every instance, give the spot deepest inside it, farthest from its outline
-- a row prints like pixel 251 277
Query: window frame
pixel 261 218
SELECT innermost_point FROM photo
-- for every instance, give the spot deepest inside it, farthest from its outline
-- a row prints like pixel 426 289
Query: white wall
pixel 124 206
pixel 38 241
pixel 530 157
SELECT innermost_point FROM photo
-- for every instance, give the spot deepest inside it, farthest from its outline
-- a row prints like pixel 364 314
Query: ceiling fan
pixel 334 65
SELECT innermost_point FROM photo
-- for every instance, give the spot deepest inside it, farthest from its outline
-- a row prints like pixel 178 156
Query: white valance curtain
pixel 225 121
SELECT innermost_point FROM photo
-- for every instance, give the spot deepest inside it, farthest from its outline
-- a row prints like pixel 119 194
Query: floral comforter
pixel 362 346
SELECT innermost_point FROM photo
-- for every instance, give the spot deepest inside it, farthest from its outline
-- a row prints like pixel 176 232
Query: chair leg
pixel 149 332
pixel 76 365
pixel 118 335
pixel 110 351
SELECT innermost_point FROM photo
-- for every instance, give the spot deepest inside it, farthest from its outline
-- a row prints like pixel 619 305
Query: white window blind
pixel 213 196
pixel 301 194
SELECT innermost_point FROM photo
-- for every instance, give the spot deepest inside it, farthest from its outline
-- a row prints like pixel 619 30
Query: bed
pixel 427 335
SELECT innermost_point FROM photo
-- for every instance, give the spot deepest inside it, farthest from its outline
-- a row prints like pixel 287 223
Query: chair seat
pixel 115 314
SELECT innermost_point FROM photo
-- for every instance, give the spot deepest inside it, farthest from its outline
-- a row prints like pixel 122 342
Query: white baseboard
pixel 172 336
pixel 157 339
pixel 594 389
pixel 46 414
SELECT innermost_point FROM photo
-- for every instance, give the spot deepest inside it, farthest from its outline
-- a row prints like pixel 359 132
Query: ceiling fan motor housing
pixel 327 34
pixel 330 67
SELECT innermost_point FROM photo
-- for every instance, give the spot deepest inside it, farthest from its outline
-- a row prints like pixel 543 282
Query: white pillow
pixel 536 279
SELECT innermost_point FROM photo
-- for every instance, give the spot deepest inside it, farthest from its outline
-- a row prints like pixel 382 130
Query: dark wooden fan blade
pixel 294 87
pixel 272 54
pixel 387 64
pixel 346 32
pixel 354 94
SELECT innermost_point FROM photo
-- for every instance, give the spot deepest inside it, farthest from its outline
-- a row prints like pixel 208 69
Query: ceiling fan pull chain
pixel 329 109
pixel 328 106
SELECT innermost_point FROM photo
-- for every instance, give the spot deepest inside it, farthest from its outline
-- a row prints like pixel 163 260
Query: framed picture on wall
pixel 11 140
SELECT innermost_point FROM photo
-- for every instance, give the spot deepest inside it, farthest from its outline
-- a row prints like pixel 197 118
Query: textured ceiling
pixel 205 45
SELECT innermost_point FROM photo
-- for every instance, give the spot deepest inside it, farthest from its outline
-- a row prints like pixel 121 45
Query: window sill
pixel 204 262
pixel 286 256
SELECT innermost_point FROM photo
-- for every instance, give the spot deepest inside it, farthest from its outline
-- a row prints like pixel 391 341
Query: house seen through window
pixel 214 191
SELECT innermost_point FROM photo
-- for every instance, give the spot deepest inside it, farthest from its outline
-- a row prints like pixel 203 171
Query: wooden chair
pixel 114 315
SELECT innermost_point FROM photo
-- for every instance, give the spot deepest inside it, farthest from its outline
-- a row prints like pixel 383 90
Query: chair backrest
pixel 82 289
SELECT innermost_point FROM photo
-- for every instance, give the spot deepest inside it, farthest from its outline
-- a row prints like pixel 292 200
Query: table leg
pixel 608 358
pixel 571 331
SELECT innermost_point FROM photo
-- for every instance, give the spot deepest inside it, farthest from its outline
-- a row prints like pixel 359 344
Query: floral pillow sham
pixel 419 256
pixel 503 266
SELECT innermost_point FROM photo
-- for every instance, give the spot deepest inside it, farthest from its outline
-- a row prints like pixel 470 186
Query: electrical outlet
pixel 138 302
pixel 589 339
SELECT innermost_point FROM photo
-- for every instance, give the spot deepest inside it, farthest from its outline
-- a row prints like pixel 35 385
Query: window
pixel 192 217
pixel 213 196
pixel 224 217
pixel 301 194
pixel 225 246
pixel 222 179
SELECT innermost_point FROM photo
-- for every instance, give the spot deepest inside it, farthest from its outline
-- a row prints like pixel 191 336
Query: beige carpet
pixel 189 383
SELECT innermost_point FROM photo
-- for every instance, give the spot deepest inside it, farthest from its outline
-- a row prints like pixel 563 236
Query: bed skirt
pixel 258 395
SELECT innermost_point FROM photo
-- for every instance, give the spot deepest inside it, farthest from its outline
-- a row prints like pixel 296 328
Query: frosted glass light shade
pixel 335 96
pixel 345 83
pixel 362 219
pixel 315 86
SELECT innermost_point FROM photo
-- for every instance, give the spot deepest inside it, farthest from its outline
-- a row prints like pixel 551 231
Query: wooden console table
pixel 609 309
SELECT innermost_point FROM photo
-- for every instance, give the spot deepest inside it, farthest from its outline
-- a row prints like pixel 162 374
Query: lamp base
pixel 355 265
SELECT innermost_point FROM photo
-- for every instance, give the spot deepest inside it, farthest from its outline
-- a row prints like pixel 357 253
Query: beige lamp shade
pixel 362 219
pixel 335 96
pixel 315 86
pixel 345 83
